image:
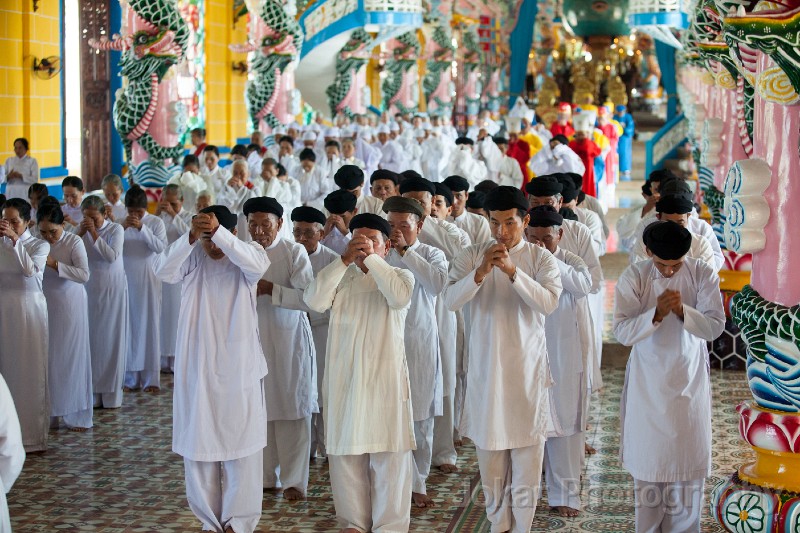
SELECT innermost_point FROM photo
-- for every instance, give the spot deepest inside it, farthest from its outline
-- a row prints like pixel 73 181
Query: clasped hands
pixel 668 302
pixel 495 257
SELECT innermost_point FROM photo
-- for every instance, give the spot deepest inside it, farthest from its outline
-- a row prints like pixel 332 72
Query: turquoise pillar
pixel 669 80
pixel 521 42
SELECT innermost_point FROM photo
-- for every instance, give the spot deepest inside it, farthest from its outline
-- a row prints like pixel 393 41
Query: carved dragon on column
pixel 438 79
pixel 275 43
pixel 471 68
pixel 400 92
pixel 158 41
pixel 344 93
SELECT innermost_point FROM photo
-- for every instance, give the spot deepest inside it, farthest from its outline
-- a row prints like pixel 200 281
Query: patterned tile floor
pixel 122 477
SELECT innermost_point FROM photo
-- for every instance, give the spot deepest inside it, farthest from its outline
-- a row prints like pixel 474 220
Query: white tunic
pixel 74 213
pixel 435 155
pixel 370 204
pixel 286 339
pixel 144 293
pixel 593 204
pixel 700 249
pixel 666 401
pixel 29 168
pixel 565 345
pixel 506 403
pixel 234 198
pixel 365 389
pixel 23 328
pixel 12 454
pixel 712 253
pixel 590 219
pixel 391 156
pixel 219 413
pixel 429 267
pixel 314 186
pixel 336 241
pixel 476 226
pixel 171 294
pixel 462 163
pixel 107 290
pixel 118 210
pixel 215 179
pixel 70 367
pixel 509 173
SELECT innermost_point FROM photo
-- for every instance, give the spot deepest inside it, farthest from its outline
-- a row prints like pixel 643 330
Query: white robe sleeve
pixel 431 273
pixel 542 292
pixel 12 453
pixel 707 321
pixel 300 277
pixel 31 264
pixel 575 277
pixel 631 323
pixel 171 265
pixel 491 154
pixel 110 250
pixel 396 284
pixel 461 286
pixel 250 257
pixel 320 293
pixel 78 271
pixel 156 239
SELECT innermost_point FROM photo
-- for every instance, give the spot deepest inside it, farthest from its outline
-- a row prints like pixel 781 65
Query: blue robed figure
pixel 625 146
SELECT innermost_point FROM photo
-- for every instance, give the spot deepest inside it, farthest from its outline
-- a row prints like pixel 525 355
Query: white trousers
pixel 423 435
pixel 108 400
pixel 287 454
pixel 668 507
pixel 372 491
pixel 458 403
pixel 444 451
pixel 511 485
pixel 563 464
pixel 317 434
pixel 225 494
pixel 168 362
pixel 78 419
pixel 142 379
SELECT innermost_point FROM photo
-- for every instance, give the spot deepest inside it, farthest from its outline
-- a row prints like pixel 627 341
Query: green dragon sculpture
pixel 399 87
pixel 438 78
pixel 343 94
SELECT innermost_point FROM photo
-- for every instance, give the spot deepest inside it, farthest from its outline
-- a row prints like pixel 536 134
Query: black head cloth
pixel 568 190
pixel 560 138
pixel 667 240
pixel 544 216
pixel 415 184
pixel 370 221
pixel 384 174
pixel 444 190
pixel 577 179
pixel 305 213
pixel 348 177
pixel 400 204
pixel 457 183
pixel 504 198
pixel 674 205
pixel 676 187
pixel 340 201
pixel 263 204
pixel 661 175
pixel 464 140
pixel 544 186
pixel 475 200
pixel 567 213
pixel 226 219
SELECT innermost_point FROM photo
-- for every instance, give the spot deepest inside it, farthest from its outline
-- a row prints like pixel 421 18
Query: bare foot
pixel 588 449
pixel 292 494
pixel 154 390
pixel 448 469
pixel 422 500
pixel 565 511
pixel 77 429
pixel 128 389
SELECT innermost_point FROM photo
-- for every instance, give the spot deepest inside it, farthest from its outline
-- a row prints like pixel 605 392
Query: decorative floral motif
pixel 746 209
pixel 745 514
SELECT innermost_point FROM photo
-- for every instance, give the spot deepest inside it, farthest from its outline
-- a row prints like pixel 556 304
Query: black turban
pixel 560 138
pixel 457 183
pixel 464 140
pixel 407 174
pixel 226 219
pixel 567 213
pixel 398 204
pixel 568 190
pixel 544 216
pixel 444 190
pixel 674 205
pixel 414 184
pixel 675 186
pixel 499 140
pixel 486 186
pixel 647 189
pixel 577 179
pixel 370 221
pixel 384 174
pixel 544 186
pixel 504 198
pixel 667 240
pixel 661 175
pixel 475 200
pixel 340 201
pixel 263 204
pixel 305 213
pixel 348 177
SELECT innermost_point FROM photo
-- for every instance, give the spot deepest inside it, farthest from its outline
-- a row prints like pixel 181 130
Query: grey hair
pixel 241 162
pixel 93 202
pixel 173 187
pixel 111 179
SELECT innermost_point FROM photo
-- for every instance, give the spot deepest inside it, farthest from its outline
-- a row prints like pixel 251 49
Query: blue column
pixel 666 61
pixel 117 151
pixel 521 41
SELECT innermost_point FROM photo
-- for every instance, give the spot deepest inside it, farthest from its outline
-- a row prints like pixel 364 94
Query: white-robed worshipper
pixel 570 198
pixel 667 308
pixel 70 359
pixel 510 285
pixel 238 189
pixel 341 208
pixel 556 157
pixel 23 322
pixel 628 224
pixel 366 152
pixel 331 160
pixel 113 191
pixel 145 238
pixel 107 290
pixel 588 202
pixel 435 155
pixel 12 453
pixel 429 267
pixel 564 450
pixel 451 240
pixel 314 184
pixel 383 184
pixel 286 156
pixel 413 150
pixel 21 170
pixel 280 188
pixel 392 157
pixel 219 410
pixel 189 179
pixel 677 209
pixel 349 154
pixel 72 190
pixel 350 178
pixel 288 347
pixel 476 226
pixel 307 230
pixel 508 171
pixel 210 170
pixel 462 162
pixel 177 221
pixel 368 414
